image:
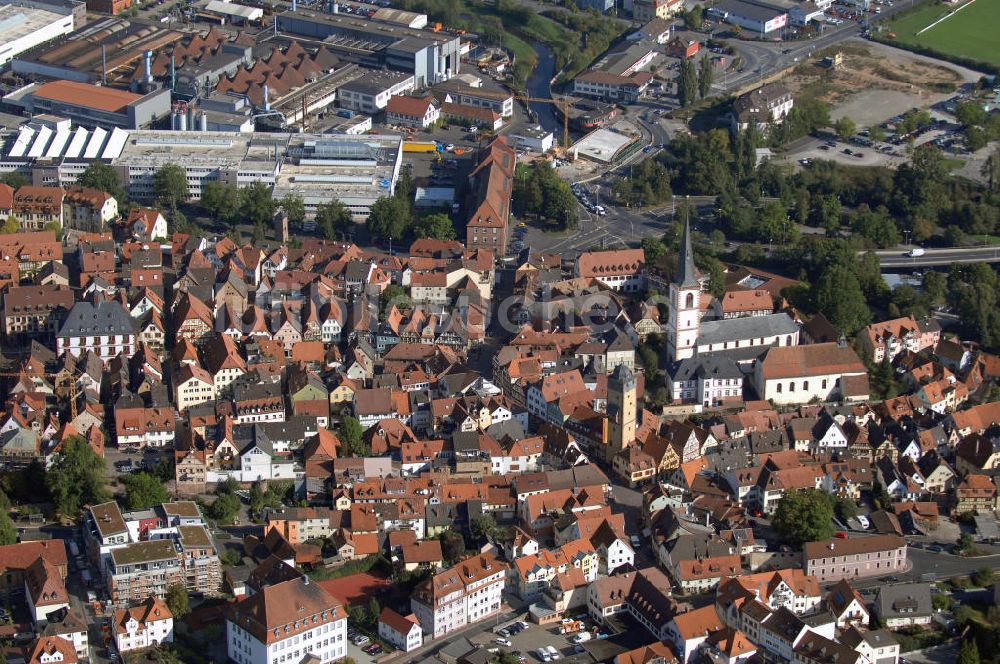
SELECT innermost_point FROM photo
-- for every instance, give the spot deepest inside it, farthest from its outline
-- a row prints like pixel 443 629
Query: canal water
pixel 538 86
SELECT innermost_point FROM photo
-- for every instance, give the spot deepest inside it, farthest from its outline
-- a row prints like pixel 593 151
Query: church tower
pixel 622 409
pixel 685 292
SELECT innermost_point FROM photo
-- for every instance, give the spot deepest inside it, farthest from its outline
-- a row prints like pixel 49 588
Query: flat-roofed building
pixel 430 56
pixel 371 93
pixel 23 27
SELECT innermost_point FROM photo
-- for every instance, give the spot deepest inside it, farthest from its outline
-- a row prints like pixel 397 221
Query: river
pixel 538 86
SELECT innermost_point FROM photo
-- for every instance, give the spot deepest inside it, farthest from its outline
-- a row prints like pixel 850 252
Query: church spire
pixel 686 274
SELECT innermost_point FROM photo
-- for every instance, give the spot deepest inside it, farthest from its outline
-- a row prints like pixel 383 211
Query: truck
pixel 916 251
pixel 420 146
pixel 345 113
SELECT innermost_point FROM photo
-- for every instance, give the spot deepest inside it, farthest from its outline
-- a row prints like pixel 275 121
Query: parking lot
pixel 528 641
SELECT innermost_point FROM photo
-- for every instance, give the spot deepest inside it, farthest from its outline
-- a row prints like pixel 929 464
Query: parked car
pixel 863 520
pixel 501 641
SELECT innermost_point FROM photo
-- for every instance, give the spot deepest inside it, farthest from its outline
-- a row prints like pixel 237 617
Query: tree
pixel 969 651
pixel 839 297
pixel 687 84
pixel 334 218
pixel 55 228
pixel 220 200
pixel 143 490
pixel 256 498
pixel 176 600
pixel 394 295
pixel 983 577
pixel 970 114
pixel 257 206
pixel 876 133
pixel 824 212
pixel 654 249
pixel 845 128
pixel 77 478
pixel 8 533
pixel 170 184
pixel 705 76
pixel 374 609
pixel 694 17
pixel 991 170
pixel 10 225
pixel 437 226
pixel 390 217
pixel 225 508
pixel 935 286
pixel 484 527
pixel 351 436
pixel 845 508
pixel 259 233
pixel 975 138
pixel 452 545
pixel 101 176
pixel 294 206
pixel 14 180
pixel 230 557
pixel 804 516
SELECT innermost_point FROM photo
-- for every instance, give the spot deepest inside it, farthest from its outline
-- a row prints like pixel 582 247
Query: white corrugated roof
pixel 41 142
pixel 62 136
pixel 116 143
pixel 95 144
pixel 23 141
pixel 80 137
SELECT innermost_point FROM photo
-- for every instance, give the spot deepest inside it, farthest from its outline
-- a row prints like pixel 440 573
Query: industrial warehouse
pixel 356 170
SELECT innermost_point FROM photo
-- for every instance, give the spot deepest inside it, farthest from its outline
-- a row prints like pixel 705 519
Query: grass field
pixel 971 33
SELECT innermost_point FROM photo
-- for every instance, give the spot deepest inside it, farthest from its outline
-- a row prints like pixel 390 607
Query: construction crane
pixel 561 104
pixel 71 385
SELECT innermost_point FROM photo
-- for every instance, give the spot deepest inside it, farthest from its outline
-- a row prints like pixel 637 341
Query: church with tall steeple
pixel 708 360
pixel 684 319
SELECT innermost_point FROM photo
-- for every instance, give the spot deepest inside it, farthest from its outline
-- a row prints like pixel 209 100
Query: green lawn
pixel 971 33
pixel 953 163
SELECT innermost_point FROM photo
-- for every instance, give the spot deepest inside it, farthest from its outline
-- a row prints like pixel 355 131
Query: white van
pixel 917 251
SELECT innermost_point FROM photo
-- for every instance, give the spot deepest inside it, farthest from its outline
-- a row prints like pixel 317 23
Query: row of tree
pixel 693 85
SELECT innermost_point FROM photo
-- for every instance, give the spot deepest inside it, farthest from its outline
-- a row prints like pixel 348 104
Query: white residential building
pixel 286 622
pixel 402 632
pixel 144 626
pixel 461 595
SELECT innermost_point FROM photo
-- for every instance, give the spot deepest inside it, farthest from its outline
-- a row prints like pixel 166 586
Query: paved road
pixel 896 258
pixel 943 654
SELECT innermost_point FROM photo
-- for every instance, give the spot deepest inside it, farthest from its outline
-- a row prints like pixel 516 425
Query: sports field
pixel 971 33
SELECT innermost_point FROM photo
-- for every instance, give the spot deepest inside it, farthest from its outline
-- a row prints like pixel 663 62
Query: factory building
pixel 27 25
pixel 355 170
pixel 106 51
pixel 761 18
pixel 91 105
pixel 430 56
